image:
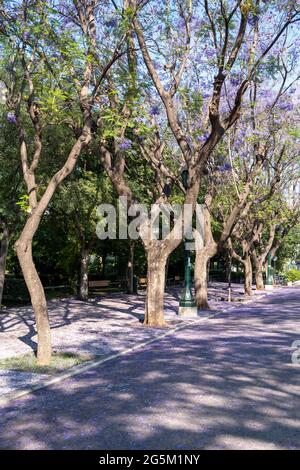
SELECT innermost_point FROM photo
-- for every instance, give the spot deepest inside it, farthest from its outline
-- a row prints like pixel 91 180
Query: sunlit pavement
pixel 226 383
pixel 102 327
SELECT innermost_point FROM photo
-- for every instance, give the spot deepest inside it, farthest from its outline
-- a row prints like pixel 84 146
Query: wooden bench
pixel 101 284
pixel 142 282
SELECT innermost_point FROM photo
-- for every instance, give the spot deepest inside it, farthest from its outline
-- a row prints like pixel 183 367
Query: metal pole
pixel 187 299
pixel 269 280
pixel 229 276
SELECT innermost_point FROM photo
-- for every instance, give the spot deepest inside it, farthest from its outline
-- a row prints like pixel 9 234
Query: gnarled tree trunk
pixel 23 248
pixel 154 309
pixel 3 255
pixel 84 273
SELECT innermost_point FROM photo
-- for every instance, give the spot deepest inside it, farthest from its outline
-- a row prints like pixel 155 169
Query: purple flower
pixel 154 111
pixel 225 167
pixel 112 23
pixel 286 106
pixel 209 52
pixel 11 117
pixel 26 36
pixel 253 20
pixel 234 81
pixel 203 138
pixel 125 144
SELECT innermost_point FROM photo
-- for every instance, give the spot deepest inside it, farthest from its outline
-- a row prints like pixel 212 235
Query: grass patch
pixel 28 362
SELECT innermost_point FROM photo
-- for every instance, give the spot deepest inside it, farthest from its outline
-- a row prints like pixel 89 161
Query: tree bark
pixel 201 281
pixel 84 276
pixel 154 309
pixel 167 271
pixel 247 275
pixel 206 248
pixel 3 256
pixel 259 278
pixel 23 248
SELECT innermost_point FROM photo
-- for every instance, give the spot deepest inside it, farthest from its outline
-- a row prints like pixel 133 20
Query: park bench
pixel 142 282
pixel 95 286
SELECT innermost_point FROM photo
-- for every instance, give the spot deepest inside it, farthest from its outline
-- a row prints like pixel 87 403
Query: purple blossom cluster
pixel 210 52
pixel 190 141
pixel 125 144
pixel 225 167
pixel 235 81
pixel 112 22
pixel 285 106
pixel 205 95
pixel 203 138
pixel 11 117
pixel 154 111
pixel 26 36
pixel 253 20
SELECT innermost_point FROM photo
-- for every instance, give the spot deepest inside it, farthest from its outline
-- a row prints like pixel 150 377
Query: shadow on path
pixel 226 383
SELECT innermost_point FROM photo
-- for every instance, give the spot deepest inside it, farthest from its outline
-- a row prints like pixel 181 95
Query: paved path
pixel 226 383
pixel 99 328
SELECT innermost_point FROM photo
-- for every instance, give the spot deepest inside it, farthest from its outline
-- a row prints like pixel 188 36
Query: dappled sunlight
pixel 223 383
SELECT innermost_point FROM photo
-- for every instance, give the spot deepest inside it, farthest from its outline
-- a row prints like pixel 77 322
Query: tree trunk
pixel 104 256
pixel 3 256
pixel 23 247
pixel 200 277
pixel 167 270
pixel 206 248
pixel 259 278
pixel 154 309
pixel 248 275
pixel 84 274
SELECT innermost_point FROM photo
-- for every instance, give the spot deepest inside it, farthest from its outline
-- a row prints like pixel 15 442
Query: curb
pixel 91 364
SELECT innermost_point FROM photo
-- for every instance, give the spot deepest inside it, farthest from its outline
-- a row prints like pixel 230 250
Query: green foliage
pixel 292 275
pixel 192 100
pixel 23 203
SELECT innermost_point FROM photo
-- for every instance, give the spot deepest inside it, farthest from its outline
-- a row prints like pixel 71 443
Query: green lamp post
pixel 187 303
pixel 269 279
pixel 274 270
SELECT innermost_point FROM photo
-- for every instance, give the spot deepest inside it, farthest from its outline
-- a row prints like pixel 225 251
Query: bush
pixel 292 275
